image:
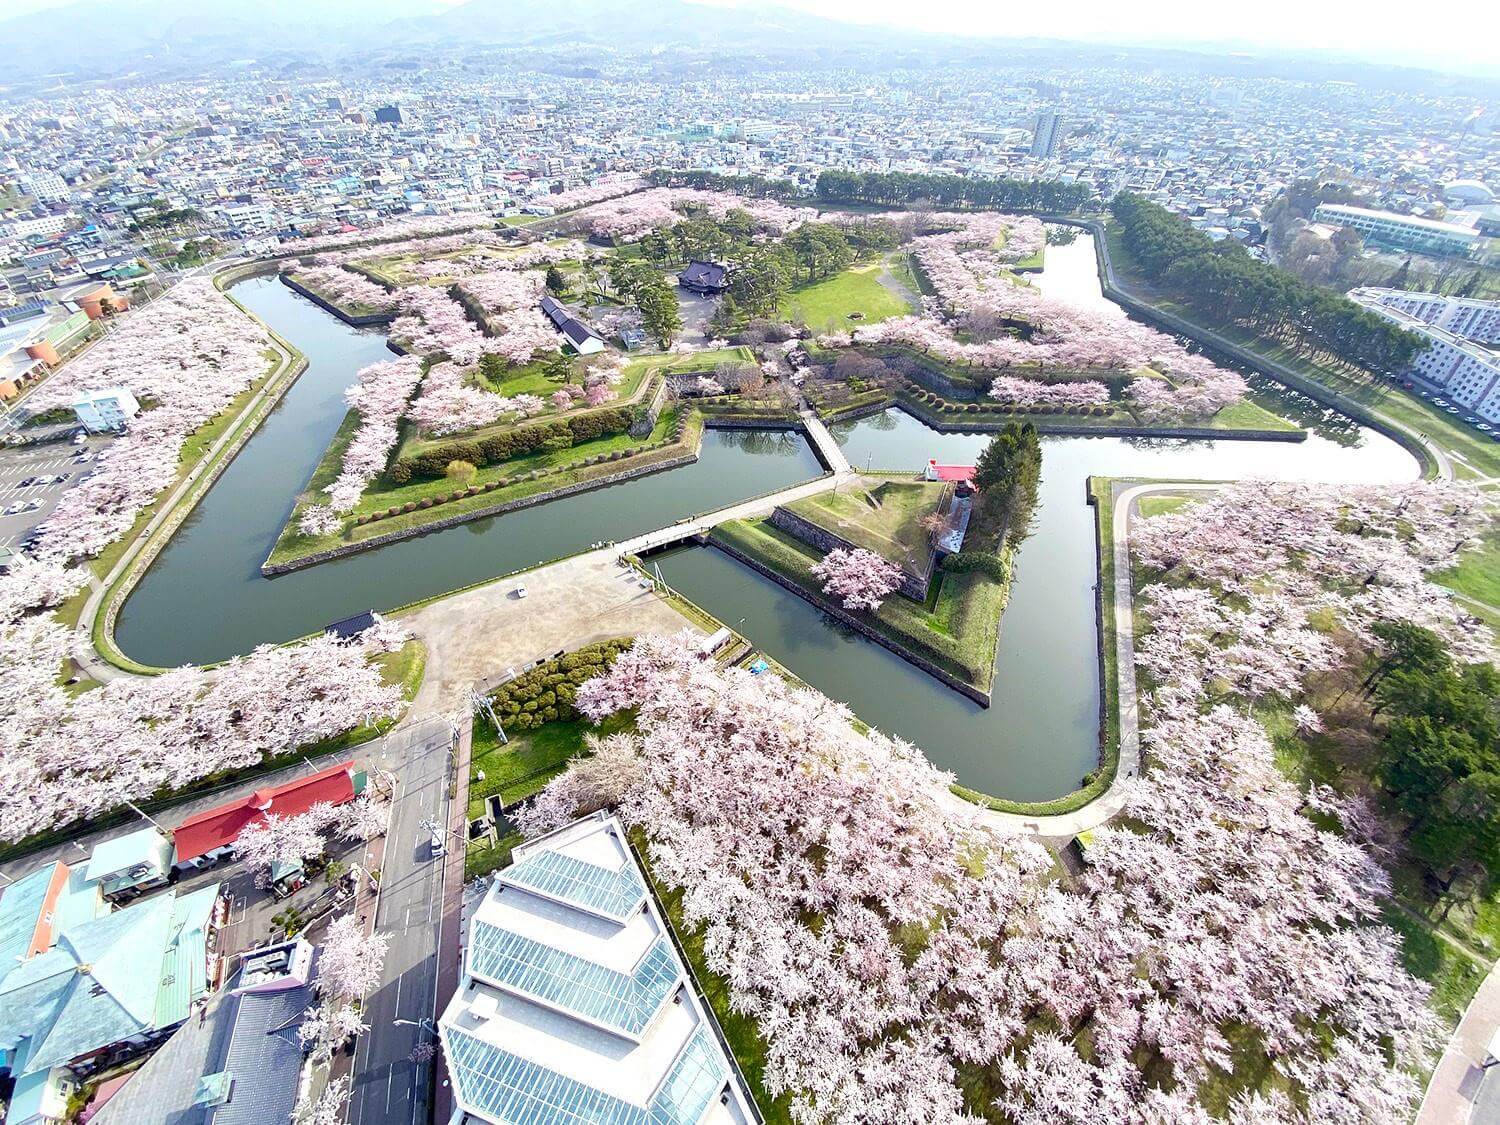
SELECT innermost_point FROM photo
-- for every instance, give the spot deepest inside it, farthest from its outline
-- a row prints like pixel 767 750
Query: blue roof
pixel 107 979
pixel 603 996
pixel 144 846
pixel 610 894
pixel 509 1088
pixel 20 910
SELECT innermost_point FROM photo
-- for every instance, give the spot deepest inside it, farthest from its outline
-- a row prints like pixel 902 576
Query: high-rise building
pixel 1046 134
pixel 388 115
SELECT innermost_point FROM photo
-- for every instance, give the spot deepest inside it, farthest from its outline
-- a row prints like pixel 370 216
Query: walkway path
pixel 1454 1088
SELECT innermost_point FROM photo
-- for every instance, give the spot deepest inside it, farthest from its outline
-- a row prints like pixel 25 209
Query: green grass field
pixel 1477 575
pixel 826 305
pixel 880 516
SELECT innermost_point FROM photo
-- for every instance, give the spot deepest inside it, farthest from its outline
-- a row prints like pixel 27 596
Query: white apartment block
pixel 48 187
pixel 574 1005
pixel 1463 371
pixel 1468 317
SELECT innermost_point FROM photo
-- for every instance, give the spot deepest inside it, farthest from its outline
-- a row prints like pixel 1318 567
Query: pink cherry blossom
pixel 860 579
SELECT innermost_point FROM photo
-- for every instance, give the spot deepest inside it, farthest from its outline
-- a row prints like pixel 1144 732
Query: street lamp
pixel 423 1024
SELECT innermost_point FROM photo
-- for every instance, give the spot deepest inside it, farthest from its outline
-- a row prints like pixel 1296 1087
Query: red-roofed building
pixel 218 828
pixel 935 471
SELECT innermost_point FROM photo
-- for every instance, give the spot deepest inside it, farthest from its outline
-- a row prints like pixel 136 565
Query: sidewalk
pixel 1455 1083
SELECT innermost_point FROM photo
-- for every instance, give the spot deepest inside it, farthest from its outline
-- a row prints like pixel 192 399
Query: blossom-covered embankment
pixel 186 357
pixel 379 397
pixel 984 319
pixel 1221 953
pixel 73 757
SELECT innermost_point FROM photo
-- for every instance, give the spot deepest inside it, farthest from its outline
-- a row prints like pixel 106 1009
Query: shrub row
pixel 547 692
pixel 515 442
pixel 536 474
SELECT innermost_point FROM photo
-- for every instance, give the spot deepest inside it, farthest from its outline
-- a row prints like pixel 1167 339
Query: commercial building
pixel 574 1004
pixel 106 409
pixel 128 866
pixel 1390 231
pixel 1468 317
pixel 1462 371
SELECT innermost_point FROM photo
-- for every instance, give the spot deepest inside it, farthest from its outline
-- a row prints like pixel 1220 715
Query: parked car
pixel 1486 427
pixel 32 505
pixel 520 589
pixel 61 477
pixel 27 483
pixel 80 437
pixel 439 843
pixel 83 456
pixel 14 508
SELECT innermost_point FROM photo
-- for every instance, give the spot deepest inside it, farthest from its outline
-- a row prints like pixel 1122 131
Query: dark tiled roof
pixel 710 274
pixel 565 322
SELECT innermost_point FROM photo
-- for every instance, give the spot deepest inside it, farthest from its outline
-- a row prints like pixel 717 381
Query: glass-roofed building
pixel 574 1005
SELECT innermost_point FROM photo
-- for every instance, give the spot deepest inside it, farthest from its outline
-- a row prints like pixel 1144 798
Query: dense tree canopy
pixel 1008 473
pixel 899 189
pixel 1221 280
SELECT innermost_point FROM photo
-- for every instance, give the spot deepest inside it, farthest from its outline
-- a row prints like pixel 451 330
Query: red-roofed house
pixel 935 471
pixel 218 828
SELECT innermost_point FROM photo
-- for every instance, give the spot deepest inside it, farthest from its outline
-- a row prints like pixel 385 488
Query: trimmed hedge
pixel 547 692
pixel 515 442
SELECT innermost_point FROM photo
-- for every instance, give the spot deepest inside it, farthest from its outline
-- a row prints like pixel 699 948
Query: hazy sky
pixel 1467 34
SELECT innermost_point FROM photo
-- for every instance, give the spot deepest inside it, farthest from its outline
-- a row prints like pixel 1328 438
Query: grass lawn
pixel 1160 505
pixel 1246 415
pixel 880 516
pixel 1477 575
pixel 956 630
pixel 520 768
pixel 826 305
pixel 659 445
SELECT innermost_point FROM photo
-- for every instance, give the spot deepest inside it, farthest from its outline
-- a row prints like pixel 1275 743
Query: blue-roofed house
pixel 128 866
pixel 36 906
pixel 108 988
pixel 574 1004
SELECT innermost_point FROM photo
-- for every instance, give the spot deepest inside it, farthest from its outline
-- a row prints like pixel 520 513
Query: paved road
pixel 388 1085
pixel 1459 1090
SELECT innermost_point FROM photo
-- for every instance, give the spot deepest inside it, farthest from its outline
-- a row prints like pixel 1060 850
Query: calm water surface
pixel 205 598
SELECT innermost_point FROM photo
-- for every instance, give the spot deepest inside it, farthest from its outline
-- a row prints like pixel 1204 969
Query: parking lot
pixel 34 478
pixel 1434 395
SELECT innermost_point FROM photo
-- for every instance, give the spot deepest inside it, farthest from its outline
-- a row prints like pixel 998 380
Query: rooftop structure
pixel 128 865
pixel 574 1004
pixel 242 1064
pixel 36 906
pixel 108 408
pixel 583 339
pixel 109 987
pixel 707 278
pixel 220 827
pixel 1468 317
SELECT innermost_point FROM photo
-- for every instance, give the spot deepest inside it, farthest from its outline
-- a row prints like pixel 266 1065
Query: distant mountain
pixel 637 24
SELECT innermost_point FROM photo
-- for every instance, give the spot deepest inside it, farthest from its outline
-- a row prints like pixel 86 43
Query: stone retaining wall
pixel 839 614
pixel 1046 425
pixel 328 306
pixel 269 568
pixel 914 586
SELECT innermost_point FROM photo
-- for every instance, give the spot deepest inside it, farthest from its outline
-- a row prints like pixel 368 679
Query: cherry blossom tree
pixel 349 960
pixel 380 397
pixel 284 840
pixel 319 520
pixel 860 579
pixel 327 1028
pixel 346 289
pixel 329 1106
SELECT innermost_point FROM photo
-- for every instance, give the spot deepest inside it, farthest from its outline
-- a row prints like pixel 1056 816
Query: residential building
pixel 1462 371
pixel 106 409
pixel 241 1063
pixel 107 989
pixel 1046 134
pixel 1401 232
pixel 574 1004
